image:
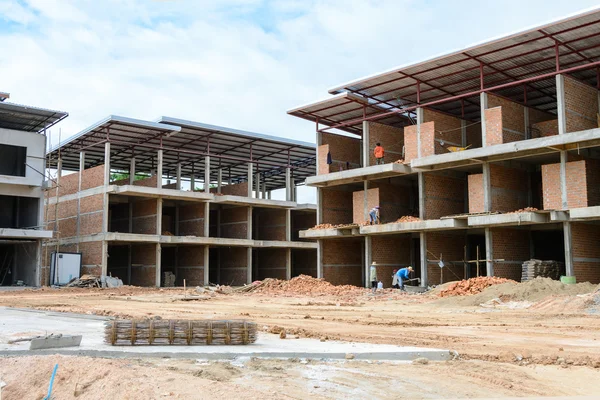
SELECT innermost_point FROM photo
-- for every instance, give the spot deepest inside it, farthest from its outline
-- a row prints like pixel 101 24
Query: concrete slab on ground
pixel 15 323
pixel 359 175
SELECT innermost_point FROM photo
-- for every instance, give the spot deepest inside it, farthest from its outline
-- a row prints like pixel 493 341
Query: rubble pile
pixel 522 210
pixel 94 281
pixel 472 286
pixel 408 218
pixel 330 226
pixel 545 269
pixel 300 285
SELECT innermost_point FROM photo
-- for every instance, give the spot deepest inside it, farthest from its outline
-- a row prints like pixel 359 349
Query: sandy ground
pixel 550 348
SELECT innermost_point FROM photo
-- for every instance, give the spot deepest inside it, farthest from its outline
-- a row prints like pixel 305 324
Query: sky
pixel 234 63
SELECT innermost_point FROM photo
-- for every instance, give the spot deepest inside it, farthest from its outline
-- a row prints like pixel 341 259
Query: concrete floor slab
pixel 250 201
pixel 418 226
pixel 359 175
pixel 15 323
pixel 514 219
pixel 328 233
pixel 584 213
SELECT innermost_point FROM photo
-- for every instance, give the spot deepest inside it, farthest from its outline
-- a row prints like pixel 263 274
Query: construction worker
pixel 374 216
pixel 379 153
pixel 403 274
pixel 373 276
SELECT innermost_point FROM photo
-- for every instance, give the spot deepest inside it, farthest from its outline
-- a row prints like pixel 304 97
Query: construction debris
pixel 179 332
pixel 522 210
pixel 300 285
pixel 408 218
pixel 472 286
pixel 168 279
pixel 545 269
pixel 331 226
pixel 94 281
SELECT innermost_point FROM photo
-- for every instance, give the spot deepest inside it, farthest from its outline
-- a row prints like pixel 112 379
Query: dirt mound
pixel 473 286
pixel 304 285
pixel 533 290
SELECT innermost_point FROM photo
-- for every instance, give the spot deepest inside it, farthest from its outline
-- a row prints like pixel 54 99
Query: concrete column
pixel 365 201
pixel 288 184
pixel 463 133
pixel 257 185
pixel 206 265
pixel 319 141
pixel 419 122
pixel 294 191
pixel 483 100
pixel 193 178
pixel 288 224
pixel 105 198
pixel 487 188
pixel 106 163
pixel 368 260
pixel 269 195
pixel 81 167
pixel 178 181
pixel 366 148
pixel 207 174
pixel 159 169
pixel 288 263
pixel 489 252
pixel 320 258
pixel 526 122
pixel 159 207
pixel 249 267
pixel 158 266
pixel 561 110
pixel 421 183
pixel 319 206
pixel 249 219
pixel 219 180
pixel 423 257
pixel 568 239
pixel 104 256
pixel 264 190
pixel 563 180
pixel 132 170
pixel 206 219
pixel 250 179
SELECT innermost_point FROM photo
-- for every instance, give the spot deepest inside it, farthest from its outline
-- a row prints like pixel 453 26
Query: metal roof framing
pixel 26 118
pixel 519 67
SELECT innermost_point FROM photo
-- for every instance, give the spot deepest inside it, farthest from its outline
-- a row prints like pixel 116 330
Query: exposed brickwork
pixel 270 263
pixel 543 129
pixel 144 217
pixel 89 204
pixel 391 138
pixel 343 149
pixel 509 188
pixel 337 206
pixel 586 252
pixel 342 261
pixel 234 265
pixel 394 200
pixel 148 182
pixel 428 143
pixel 513 118
pixel 239 189
pixel 493 126
pixel 450 246
pixel 444 194
pixel 234 223
pixel 322 157
pixel 476 196
pixel 447 129
pixel 191 219
pixel 89 224
pixel 473 134
pixel 512 245
pixel 583 184
pixel 143 264
pixel 304 262
pixel 410 143
pixel 358 201
pixel 92 177
pixel 118 261
pixel 301 221
pixel 581 104
pixel 190 265
pixel 390 253
pixel 270 223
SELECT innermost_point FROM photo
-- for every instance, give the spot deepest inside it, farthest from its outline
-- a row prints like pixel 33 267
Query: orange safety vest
pixel 378 151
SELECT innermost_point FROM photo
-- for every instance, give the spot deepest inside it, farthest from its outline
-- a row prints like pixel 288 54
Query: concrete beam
pixel 10 233
pixel 585 213
pixel 327 233
pixel 359 175
pixel 143 191
pixel 245 201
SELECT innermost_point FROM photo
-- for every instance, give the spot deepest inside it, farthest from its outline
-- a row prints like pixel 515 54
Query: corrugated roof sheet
pixel 27 118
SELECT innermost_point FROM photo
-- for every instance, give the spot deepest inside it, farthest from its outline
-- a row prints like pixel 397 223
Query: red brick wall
pixel 473 134
pixel 342 261
pixel 586 252
pixel 512 245
pixel 234 222
pixel 513 118
pixel 577 185
pixel 391 138
pixel 238 189
pixel 144 217
pixel 546 128
pixel 92 177
pixel 191 219
pixel 451 248
pixel 270 223
pixel 592 168
pixel 302 221
pixel 493 126
pixel 322 157
pixel 358 198
pixel 337 206
pixel 269 263
pixel 410 143
pixel 343 149
pixel 234 265
pixel 304 261
pixel 581 104
pixel 91 257
pixel 476 197
pixel 190 266
pixel 444 195
pixel 428 143
pixel 390 252
pixel 394 201
pixel 509 188
pixel 143 264
pixel 148 182
pixel 447 128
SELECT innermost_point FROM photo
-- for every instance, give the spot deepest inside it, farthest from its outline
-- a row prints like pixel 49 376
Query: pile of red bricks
pixel 330 226
pixel 522 210
pixel 472 286
pixel 408 218
pixel 305 285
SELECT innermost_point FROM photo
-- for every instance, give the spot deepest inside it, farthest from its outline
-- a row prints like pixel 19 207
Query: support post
pixel 489 252
pixel 257 185
pixel 159 169
pixel 219 180
pixel 81 169
pixel 568 239
pixel 419 122
pixel 288 263
pixel 319 206
pixel 105 195
pixel 421 183
pixel 178 182
pixel 563 180
pixel 561 110
pixel 288 184
pixel 487 187
pixel 368 260
pixel 249 267
pixel 106 163
pixel 250 179
pixel 249 219
pixel 193 179
pixel 320 258
pixel 206 219
pixel 288 225
pixel 483 100
pixel 104 256
pixel 158 265
pixel 423 258
pixel 206 265
pixel 207 174
pixel 159 207
pixel 132 170
pixel 366 145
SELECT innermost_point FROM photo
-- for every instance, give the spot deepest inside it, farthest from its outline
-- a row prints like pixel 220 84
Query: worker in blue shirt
pixel 403 274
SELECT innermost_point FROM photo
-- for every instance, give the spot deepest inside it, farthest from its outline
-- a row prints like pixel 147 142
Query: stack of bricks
pixel 545 269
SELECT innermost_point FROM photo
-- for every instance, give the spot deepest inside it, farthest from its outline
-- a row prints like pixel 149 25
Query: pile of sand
pixel 473 286
pixel 304 285
pixel 533 290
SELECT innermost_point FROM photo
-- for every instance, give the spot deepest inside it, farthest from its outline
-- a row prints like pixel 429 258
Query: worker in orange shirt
pixel 379 154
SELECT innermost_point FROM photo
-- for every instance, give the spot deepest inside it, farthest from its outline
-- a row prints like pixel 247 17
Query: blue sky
pixel 236 63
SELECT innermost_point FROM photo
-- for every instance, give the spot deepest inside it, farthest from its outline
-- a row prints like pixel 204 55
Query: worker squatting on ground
pixel 395 280
pixel 379 153
pixel 374 216
pixel 373 276
pixel 402 275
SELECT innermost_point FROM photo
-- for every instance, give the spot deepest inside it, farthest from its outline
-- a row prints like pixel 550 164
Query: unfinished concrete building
pixel 492 158
pixel 160 203
pixel 22 165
